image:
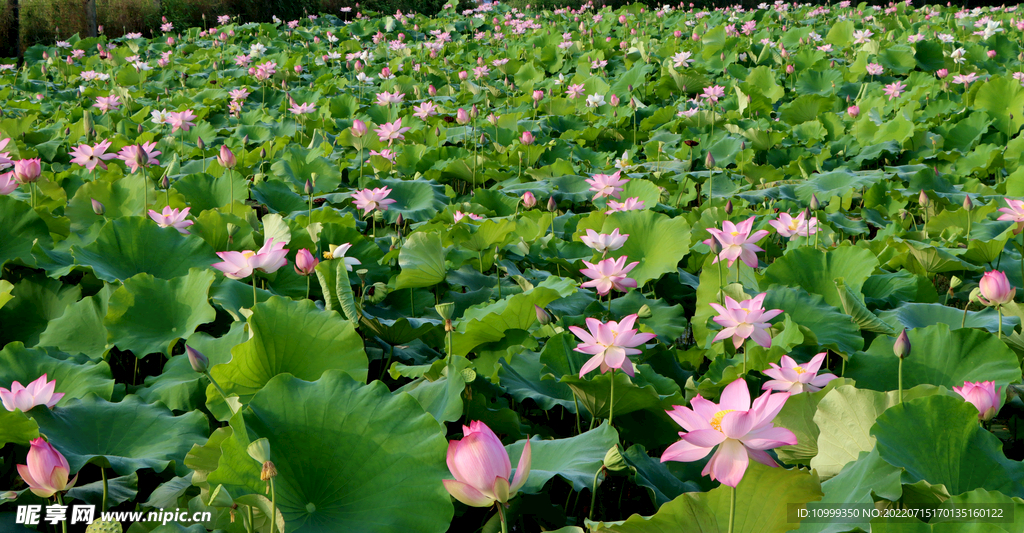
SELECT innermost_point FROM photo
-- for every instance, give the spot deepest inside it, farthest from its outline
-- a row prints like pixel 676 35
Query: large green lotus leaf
pixel 296 164
pixel 938 439
pixel 836 183
pixel 858 482
pixel 656 240
pixel 483 237
pixel 422 261
pixel 766 494
pixel 20 226
pixel 203 191
pixel 349 457
pixel 797 416
pixel 833 329
pixel 441 396
pixel 939 357
pixel 488 322
pixel 80 329
pixel 119 490
pixel 127 436
pixel 915 315
pixel 416 200
pixel 36 302
pixel 853 305
pixel 575 459
pixel 148 315
pixel 17 427
pixel 646 390
pixel 130 245
pixel 1002 98
pixel 76 376
pixel 659 478
pixel 686 512
pixel 290 337
pixel 120 198
pixel 844 418
pixel 816 270
pixel 523 378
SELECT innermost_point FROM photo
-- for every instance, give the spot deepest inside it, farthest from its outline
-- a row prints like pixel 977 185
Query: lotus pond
pixel 684 269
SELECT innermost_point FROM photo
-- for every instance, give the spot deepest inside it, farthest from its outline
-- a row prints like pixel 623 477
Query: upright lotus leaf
pixel 148 315
pixel 915 315
pixel 17 427
pixel 833 329
pixel 130 245
pixel 767 494
pixel 36 302
pixel 204 192
pixel 938 439
pixel 857 483
pixel 80 329
pixel 939 357
pixel 523 378
pixel 488 322
pixel 120 198
pixel 816 271
pixel 20 226
pixel 659 242
pixel 118 490
pixel 416 200
pixel 76 375
pixel 844 418
pixel 296 164
pixel 646 390
pixel 575 459
pixel 853 306
pixel 292 337
pixel 421 260
pixel 686 512
pixel 441 396
pixel 127 436
pixel 349 457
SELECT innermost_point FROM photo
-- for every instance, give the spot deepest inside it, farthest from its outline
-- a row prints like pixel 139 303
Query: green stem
pixel 721 287
pixel 964 319
pixel 999 312
pixel 273 506
pixel 501 516
pixel 593 493
pixel 732 508
pixel 103 471
pixel 252 526
pixel 145 194
pixel 254 289
pixel 32 191
pixel 215 385
pixel 307 287
pixel 231 189
pixel 576 404
pixel 611 400
pixel 900 382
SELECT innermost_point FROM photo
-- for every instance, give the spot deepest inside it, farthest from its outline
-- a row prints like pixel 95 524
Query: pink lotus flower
pixel 874 69
pixel 136 156
pixel 370 199
pixel 172 218
pixel 893 90
pixel 996 289
pixel 984 395
pixel 107 103
pixel 385 153
pixel 794 378
pixel 603 243
pixel 737 242
pixel 853 111
pixel 239 94
pixel 238 265
pixel 385 98
pixel 606 184
pixel 302 109
pixel 788 226
pixel 714 93
pixel 526 138
pixel 92 156
pixel 942 73
pixel 305 263
pixel 1015 212
pixel 358 128
pixel 181 120
pixel 459 215
pixel 7 183
pixel 529 200
pixel 226 158
pixel 575 91
pixel 740 430
pixel 5 157
pixel 47 470
pixel 631 204
pixel 390 131
pixel 745 319
pixel 610 344
pixel 461 116
pixel 482 468
pixel 965 79
pixel 424 110
pixel 609 274
pixel 39 392
pixel 27 170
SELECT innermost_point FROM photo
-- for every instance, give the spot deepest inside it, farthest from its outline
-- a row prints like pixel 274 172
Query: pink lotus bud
pixel 461 116
pixel 198 361
pixel 481 467
pixel 677 34
pixel 162 62
pixel 27 170
pixel 942 73
pixel 695 37
pixel 538 95
pixel 226 158
pixel 543 316
pixel 984 395
pixel 431 90
pixel 252 71
pixel 492 119
pixel 385 72
pixel 97 207
pixel 853 111
pixel 24 398
pixel 529 200
pixel 902 345
pixel 297 69
pixel 358 128
pixel 305 262
pixel 614 100
pixel 790 69
pixel 463 75
pixel 991 54
pixel 526 138
pixel 47 470
pixel 996 289
pixel 170 41
pixel 359 66
pixel 622 19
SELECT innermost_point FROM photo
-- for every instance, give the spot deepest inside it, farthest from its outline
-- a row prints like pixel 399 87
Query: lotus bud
pixel 198 361
pixel 923 198
pixel 245 140
pixel 461 116
pixel 942 73
pixel 308 188
pixel 709 161
pixel 263 153
pixel 400 221
pixel 543 316
pixel 968 205
pixel 139 128
pixel 552 205
pixel 199 142
pixel 728 207
pixel 358 128
pixel 463 75
pixel 474 112
pixel 815 204
pixel 991 54
pixel 226 158
pixel 492 119
pixel 526 138
pixel 790 69
pixel 97 207
pixel 853 111
pixel 614 100
pixel 995 288
pixel 431 90
pixel 165 182
pixel 529 200
pixel 902 345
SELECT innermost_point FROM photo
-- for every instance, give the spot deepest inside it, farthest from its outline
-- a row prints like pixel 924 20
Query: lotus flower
pixel 358 128
pixel 424 110
pixel 788 226
pixel 39 392
pixel 172 218
pixel 459 215
pixel 1014 211
pixel 893 90
pixel 604 242
pixel 631 204
pixel 743 320
pixel 338 252
pixel 92 156
pixel 608 274
pixel 47 470
pixel 609 344
pixel 302 109
pixel 984 396
pixel 7 183
pixel 370 199
pixel 27 170
pixel 305 263
pixel 390 131
pixel 794 378
pixel 107 103
pixel 238 265
pixel 529 200
pixel 738 242
pixel 136 156
pixel 182 120
pixel 606 184
pixel 482 468
pixel 740 430
pixel 996 290
pixel 575 91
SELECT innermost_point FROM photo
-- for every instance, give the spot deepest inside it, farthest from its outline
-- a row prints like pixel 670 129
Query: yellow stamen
pixel 248 253
pixel 716 421
pixel 734 233
pixel 328 255
pixel 799 370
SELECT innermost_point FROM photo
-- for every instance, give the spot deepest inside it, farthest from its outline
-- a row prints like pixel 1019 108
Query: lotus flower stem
pixel 501 516
pixel 721 280
pixel 273 506
pixel 900 382
pixel 593 492
pixel 611 400
pixel 60 501
pixel 999 313
pixel 732 508
pixel 252 526
pixel 254 289
pixel 216 385
pixel 103 472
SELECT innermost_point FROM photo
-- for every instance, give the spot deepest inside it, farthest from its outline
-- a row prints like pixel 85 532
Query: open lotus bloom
pixel 47 470
pixel 794 378
pixel 745 319
pixel 482 468
pixel 39 392
pixel 984 395
pixel 610 344
pixel 740 430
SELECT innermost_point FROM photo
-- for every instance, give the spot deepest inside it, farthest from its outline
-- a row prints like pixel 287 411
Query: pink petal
pixel 735 396
pixel 466 494
pixel 684 452
pixel 729 463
